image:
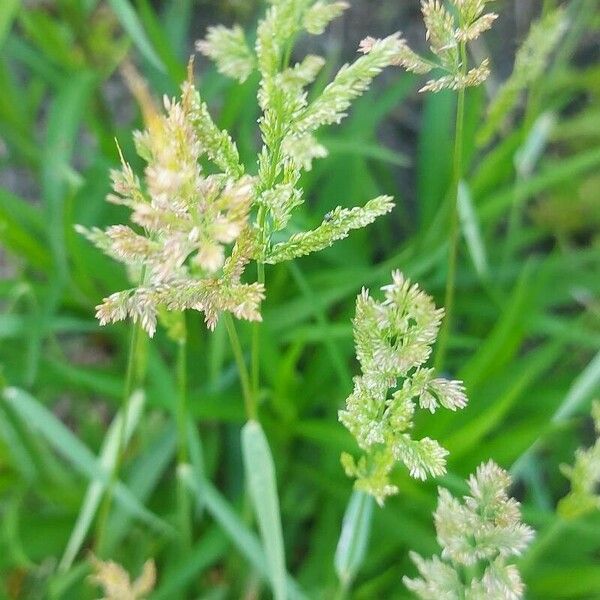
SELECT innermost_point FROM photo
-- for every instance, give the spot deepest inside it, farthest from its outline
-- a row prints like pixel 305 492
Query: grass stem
pixel 454 222
pixel 132 380
pixel 182 418
pixel 249 399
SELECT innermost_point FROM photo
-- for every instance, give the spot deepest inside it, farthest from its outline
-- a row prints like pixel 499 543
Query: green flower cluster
pixel 393 341
pixel 477 537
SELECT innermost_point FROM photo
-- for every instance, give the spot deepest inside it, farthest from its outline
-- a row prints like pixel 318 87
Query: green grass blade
pixel 506 336
pixel 211 546
pixel 130 22
pixel 354 537
pixel 79 455
pixel 146 473
pixel 260 474
pixel 21 457
pixel 242 537
pixel 64 120
pixel 471 231
pixel 581 391
pixel 107 460
pixel 8 12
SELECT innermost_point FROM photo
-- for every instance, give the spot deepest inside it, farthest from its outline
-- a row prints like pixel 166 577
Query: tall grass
pixel 496 209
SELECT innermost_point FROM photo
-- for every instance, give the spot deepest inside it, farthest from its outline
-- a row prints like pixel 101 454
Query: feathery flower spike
pixel 187 224
pixel 447 32
pixel 584 475
pixel 477 537
pixel 393 341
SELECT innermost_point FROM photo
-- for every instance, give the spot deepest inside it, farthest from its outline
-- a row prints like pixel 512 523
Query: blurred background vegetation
pixel 527 315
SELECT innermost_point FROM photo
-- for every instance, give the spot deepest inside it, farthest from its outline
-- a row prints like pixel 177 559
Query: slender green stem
pixel 251 410
pixel 132 377
pixel 454 228
pixel 255 353
pixel 183 497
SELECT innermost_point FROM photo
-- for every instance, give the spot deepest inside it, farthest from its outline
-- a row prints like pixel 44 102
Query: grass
pixel 525 331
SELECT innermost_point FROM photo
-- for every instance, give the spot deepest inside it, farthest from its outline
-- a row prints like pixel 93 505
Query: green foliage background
pixel 526 338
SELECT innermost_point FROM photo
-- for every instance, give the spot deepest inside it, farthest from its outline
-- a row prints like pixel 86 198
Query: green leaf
pixel 262 484
pixel 244 540
pixel 471 230
pixel 130 22
pixel 354 537
pixel 107 460
pixel 145 475
pixel 79 455
pixel 506 336
pixel 580 392
pixel 8 12
pixel 64 120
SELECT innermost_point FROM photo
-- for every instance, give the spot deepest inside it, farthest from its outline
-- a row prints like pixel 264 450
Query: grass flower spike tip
pixel 394 339
pixel 448 31
pixel 193 239
pixel 584 475
pixel 290 120
pixel 477 536
pixel 116 582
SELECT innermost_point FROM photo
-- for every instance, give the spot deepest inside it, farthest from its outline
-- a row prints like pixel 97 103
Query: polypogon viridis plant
pixel 198 231
pixel 448 32
pixel 584 474
pixel 187 222
pixel 477 537
pixel 393 341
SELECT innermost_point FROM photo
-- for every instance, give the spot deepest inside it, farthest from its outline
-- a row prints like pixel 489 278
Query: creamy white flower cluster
pixel 477 537
pixel 448 32
pixel 193 237
pixel 393 341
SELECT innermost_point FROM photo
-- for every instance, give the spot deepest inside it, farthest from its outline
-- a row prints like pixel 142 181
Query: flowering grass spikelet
pixel 230 51
pixel 116 583
pixel 584 475
pixel 320 14
pixel 447 31
pixel 393 340
pixel 188 221
pixel 194 233
pixel 290 120
pixel 477 536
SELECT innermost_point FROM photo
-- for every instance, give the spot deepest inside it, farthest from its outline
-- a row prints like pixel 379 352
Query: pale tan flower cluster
pixel 448 32
pixel 116 583
pixel 190 238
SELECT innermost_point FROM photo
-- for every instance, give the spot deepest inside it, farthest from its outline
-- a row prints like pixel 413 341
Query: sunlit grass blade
pixel 471 231
pixel 241 536
pixel 107 459
pixel 579 394
pixel 145 474
pixel 72 449
pixel 354 537
pixel 130 22
pixel 262 484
